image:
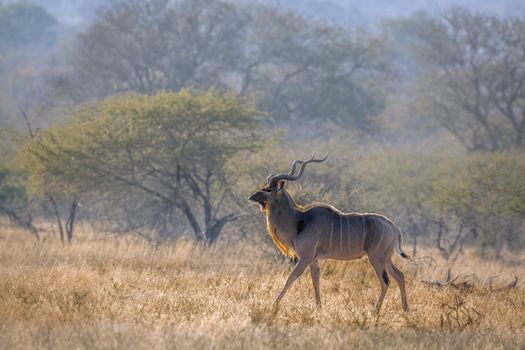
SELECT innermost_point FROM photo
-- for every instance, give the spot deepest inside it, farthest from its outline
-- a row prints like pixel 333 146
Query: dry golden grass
pixel 124 293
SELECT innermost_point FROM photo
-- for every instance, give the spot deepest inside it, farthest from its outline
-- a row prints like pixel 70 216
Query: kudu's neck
pixel 284 206
pixel 282 216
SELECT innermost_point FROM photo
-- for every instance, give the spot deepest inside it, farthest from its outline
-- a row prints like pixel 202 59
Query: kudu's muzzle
pixel 257 197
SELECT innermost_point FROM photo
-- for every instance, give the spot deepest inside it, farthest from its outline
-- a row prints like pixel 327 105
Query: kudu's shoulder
pixel 320 209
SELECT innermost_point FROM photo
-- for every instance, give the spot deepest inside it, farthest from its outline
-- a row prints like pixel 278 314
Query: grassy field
pixel 125 293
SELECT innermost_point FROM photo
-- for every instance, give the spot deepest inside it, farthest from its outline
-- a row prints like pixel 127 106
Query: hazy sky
pixel 360 12
pixel 370 11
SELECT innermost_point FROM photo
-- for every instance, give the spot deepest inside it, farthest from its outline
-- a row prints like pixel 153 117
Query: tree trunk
pixel 213 233
pixel 184 206
pixel 70 223
pixel 57 216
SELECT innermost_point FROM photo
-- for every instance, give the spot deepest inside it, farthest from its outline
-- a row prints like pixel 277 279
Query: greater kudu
pixel 320 231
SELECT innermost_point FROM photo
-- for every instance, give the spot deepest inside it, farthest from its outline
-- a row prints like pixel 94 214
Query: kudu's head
pixel 276 184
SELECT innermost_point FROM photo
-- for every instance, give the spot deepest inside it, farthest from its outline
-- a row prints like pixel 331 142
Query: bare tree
pixel 147 46
pixel 474 85
pixel 296 68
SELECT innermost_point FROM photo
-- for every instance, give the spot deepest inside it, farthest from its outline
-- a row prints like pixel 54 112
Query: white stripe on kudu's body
pixel 306 234
pixel 331 229
pixel 340 234
pixel 349 238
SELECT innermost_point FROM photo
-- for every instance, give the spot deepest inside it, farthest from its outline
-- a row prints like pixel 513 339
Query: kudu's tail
pixel 399 242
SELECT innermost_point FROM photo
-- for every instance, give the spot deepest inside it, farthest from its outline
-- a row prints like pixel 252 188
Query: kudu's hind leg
pixel 400 280
pixel 299 268
pixel 379 268
pixel 315 273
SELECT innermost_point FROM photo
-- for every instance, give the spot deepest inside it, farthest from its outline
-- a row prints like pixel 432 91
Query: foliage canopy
pixel 161 154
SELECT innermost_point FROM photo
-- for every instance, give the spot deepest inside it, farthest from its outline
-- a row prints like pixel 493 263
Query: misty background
pixel 159 117
pixel 80 13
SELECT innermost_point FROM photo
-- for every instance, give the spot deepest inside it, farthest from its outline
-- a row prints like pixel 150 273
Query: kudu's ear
pixel 281 185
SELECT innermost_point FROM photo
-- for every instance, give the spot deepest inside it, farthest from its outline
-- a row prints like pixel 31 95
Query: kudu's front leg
pixel 315 273
pixel 299 268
